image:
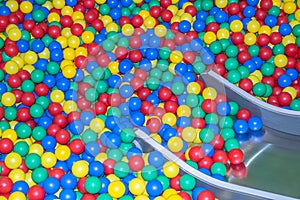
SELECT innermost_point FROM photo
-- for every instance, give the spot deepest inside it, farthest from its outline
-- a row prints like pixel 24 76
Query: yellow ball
pixel 289 7
pixel 193 88
pixel 170 169
pixel 11 67
pixel 8 99
pixel 26 7
pixel 66 32
pixel 209 37
pixel 63 41
pixel 97 125
pixel 127 29
pixel 12 5
pixel 53 17
pixel 184 111
pixel 221 3
pixel 160 30
pixel 156 137
pixel 186 16
pixel 67 10
pixel 250 39
pixel 223 34
pixel 169 192
pixel 116 189
pixel 173 8
pixel 30 57
pixel 10 134
pixel 112 27
pixel 176 56
pixel 37 149
pixel 14 34
pixel 149 22
pixel 69 106
pixel 13 160
pixel 81 51
pixel 114 67
pixel 17 196
pixel 236 26
pixel 297 14
pixel 189 134
pixel 57 96
pixel 253 26
pixel 291 90
pixel 80 168
pixel 87 37
pixel 101 157
pixel 209 93
pixel 48 160
pixel 62 152
pixel 45 54
pixel 258 74
pixel 58 4
pixel 289 39
pixel 265 29
pixel 16 175
pixel 69 53
pixel 137 186
pixel 169 118
pixel 73 41
pixel 69 71
pixel 174 197
pixel 254 79
pixel 280 60
pixel 175 144
pixel 142 197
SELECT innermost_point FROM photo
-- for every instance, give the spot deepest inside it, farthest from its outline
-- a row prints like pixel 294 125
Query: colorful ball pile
pixel 76 76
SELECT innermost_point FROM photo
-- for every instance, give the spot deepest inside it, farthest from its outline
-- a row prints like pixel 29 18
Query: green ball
pixel 23 131
pixel 121 169
pixel 38 133
pixel 231 144
pixel 43 101
pixel 125 12
pixel 91 94
pixel 127 135
pixel 114 111
pixel 163 65
pixel 198 112
pixel 231 63
pixel 253 50
pixel 5 57
pixel 167 77
pixel 10 113
pixel 108 45
pixel 267 69
pixel 155 72
pixel 199 67
pixel 126 197
pixel 27 86
pixel 206 135
pixel 278 49
pixel 90 80
pixel 152 83
pixel 78 195
pixel 231 51
pixel 26 35
pixel 187 182
pixel 38 15
pixel 225 122
pixel 207 5
pixel 209 19
pixel 123 42
pixel 104 9
pixel 192 100
pixel 170 35
pixel 40 2
pixel 218 168
pixel 115 154
pixel 98 73
pixel 52 68
pixel 33 161
pixel 39 175
pixel 274 11
pixel 124 147
pixel 36 111
pixel 92 185
pixel 215 47
pixel 104 196
pixel 269 90
pixel 22 148
pixel 136 10
pixel 225 44
pixel 234 76
pixel 259 89
pixel 164 181
pixel 101 86
pixel 89 136
pixel 149 172
pixel 227 133
pixel 1 75
pixel 4 125
pixel 177 88
pixel 234 108
pixel 46 39
pixel 1 43
pixel 295 104
pixel 244 71
pixel 211 118
pixel 192 164
pixel 296 30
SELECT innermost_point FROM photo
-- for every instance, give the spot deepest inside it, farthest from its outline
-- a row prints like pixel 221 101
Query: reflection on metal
pixel 222 190
pixel 257 154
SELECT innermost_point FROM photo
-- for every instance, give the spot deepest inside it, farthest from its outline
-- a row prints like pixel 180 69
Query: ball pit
pixel 78 76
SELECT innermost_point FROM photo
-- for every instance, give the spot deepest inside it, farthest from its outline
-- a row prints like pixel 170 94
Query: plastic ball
pixel 170 169
pixel 116 189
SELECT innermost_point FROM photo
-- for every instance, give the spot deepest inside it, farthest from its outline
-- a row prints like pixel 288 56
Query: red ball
pixel 114 99
pixel 60 120
pixel 206 162
pixel 275 38
pixel 165 3
pixel 109 166
pixel 153 125
pixel 236 156
pixel 277 73
pixel 213 27
pixel 66 21
pixel 23 114
pixel 291 62
pixel 6 185
pixel 53 129
pixel 62 136
pixel 237 38
pixel 121 52
pixel 77 29
pixel 83 103
pixel 155 11
pixel 28 99
pixel 14 81
pixel 137 21
pixel 80 185
pixel 3 23
pixel 284 99
pixel 88 197
pixel 196 153
pixel 189 57
pixel 55 108
pixel 185 196
pixel 124 20
pixel 91 15
pixel 263 39
pixel 135 55
pixel 41 89
pixel 180 38
pixel 276 90
pixel 98 25
pixel 269 80
pixel 89 4
pixel 166 15
pixel 103 98
pixel 220 156
pixel 265 53
pixel 77 146
pixel 233 9
pixel 28 25
pixel 246 84
pixel 291 50
pixel 140 73
pixel 37 32
pixel 136 83
pixel 103 60
pixel 206 195
pixel 239 171
pixel 11 50
pixel 191 9
pixel 143 93
pixel 56 173
pixel 136 163
pixel 208 106
pixel 6 146
pixel 81 62
pixel 5 170
pixel 100 108
pixel 147 108
pixel 266 4
pixel 159 112
pixel 218 142
pixel 243 57
pixel 243 114
pixel 24 75
pixel 36 192
pixel 198 123
pixel 273 100
pixel 164 94
pixel 54 31
pixel 175 182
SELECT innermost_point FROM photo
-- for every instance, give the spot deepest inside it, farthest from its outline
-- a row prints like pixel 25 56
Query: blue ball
pixel 134 103
pixel 249 11
pixel 41 64
pixel 68 181
pixel 154 41
pixel 127 77
pixel 255 123
pixel 91 66
pixel 284 80
pixel 48 142
pixel 156 159
pixel 134 151
pixel 271 20
pixel 115 13
pixel 250 65
pixel 104 183
pixel 71 3
pixel 126 91
pixel 145 64
pixel 51 185
pixel 223 108
pixel 126 3
pixel 292 73
pixel 113 141
pixel 20 186
pixel 184 26
pixel 125 66
pixel 221 16
pixel 79 76
pixel 37 46
pixel 67 194
pixel 73 158
pixel 240 126
pixel 252 2
pixel 114 81
pixel 169 133
pixel 54 45
pixel 124 109
pixel 201 15
pixel 62 165
pixel 112 3
pixel 44 122
pixel 199 25
pixel 197 191
pixel 180 68
pixel 208 149
pixel 86 117
pixel 96 168
pixel 23 46
pixel 183 122
pixel 154 188
pixel 4 10
pixel 71 95
pixel 76 127
pixel 92 149
pixel 56 55
pixel 285 29
pixel 219 177
pixel 151 53
pixel 137 118
pixel 63 84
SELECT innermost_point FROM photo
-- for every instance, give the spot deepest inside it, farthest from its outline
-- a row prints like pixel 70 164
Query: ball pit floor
pixel 77 77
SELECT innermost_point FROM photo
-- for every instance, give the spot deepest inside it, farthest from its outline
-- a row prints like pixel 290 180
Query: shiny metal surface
pixel 283 120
